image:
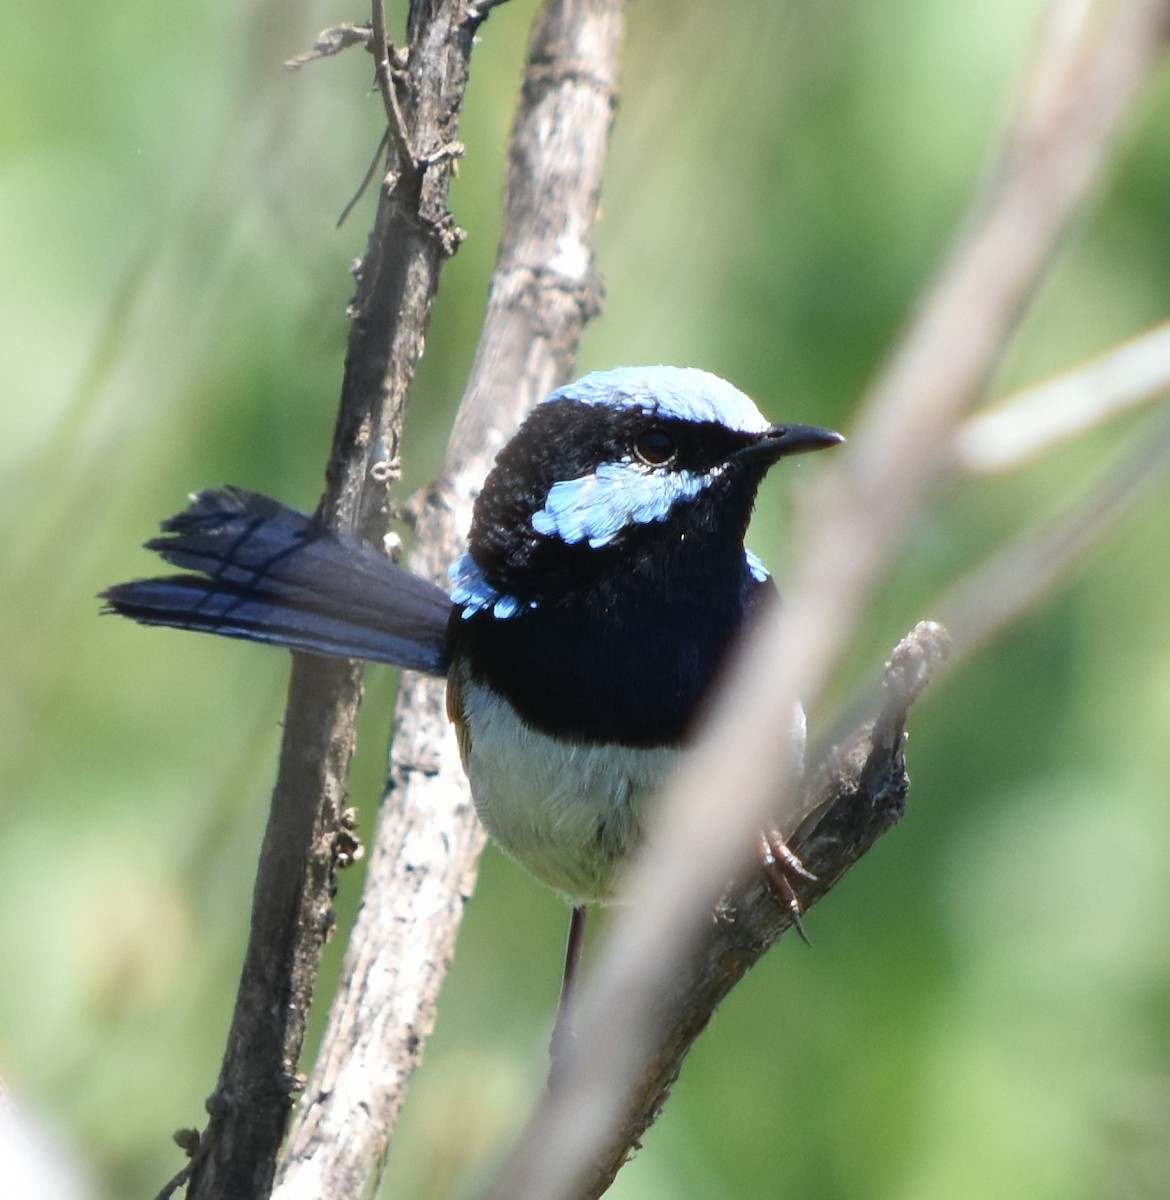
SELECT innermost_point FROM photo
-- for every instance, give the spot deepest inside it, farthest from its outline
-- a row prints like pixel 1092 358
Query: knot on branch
pixel 915 660
pixel 859 790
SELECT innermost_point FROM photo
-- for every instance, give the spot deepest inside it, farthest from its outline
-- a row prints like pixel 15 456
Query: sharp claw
pixel 798 925
pixel 778 861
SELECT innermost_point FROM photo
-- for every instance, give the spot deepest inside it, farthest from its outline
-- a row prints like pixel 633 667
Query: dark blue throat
pixel 621 657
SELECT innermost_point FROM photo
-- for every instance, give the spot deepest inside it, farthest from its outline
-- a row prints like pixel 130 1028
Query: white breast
pixel 568 812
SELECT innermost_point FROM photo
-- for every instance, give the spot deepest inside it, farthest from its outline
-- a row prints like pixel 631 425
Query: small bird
pixel 604 584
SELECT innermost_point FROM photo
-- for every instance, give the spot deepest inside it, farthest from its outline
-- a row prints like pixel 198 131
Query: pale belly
pixel 567 812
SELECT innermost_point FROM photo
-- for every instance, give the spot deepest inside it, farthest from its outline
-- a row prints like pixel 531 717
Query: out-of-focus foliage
pixel 986 1011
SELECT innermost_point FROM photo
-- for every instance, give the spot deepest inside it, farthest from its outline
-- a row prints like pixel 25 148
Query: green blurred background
pixel 986 1011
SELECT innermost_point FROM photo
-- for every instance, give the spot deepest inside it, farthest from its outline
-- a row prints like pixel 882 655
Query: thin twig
pixel 478 10
pixel 367 179
pixel 999 591
pixel 172 1185
pixel 395 125
pixel 329 42
pixel 1030 422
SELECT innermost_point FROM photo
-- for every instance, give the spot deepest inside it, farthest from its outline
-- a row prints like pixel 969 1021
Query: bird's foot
pixel 780 864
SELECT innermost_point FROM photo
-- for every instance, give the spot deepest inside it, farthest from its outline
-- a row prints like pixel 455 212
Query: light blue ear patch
pixel 472 590
pixel 755 564
pixel 597 507
pixel 682 393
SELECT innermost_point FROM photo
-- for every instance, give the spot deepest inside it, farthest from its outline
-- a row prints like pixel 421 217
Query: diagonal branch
pixel 1024 425
pixel 998 591
pixel 854 797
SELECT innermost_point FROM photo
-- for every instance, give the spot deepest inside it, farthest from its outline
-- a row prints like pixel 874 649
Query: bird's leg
pixel 779 863
pixel 562 1027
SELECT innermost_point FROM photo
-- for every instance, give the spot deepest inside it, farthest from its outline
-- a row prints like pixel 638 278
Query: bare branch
pixel 422 861
pixel 1023 426
pixel 1000 590
pixel 331 41
pixel 1077 93
pixel 366 179
pixel 395 125
pixel 855 796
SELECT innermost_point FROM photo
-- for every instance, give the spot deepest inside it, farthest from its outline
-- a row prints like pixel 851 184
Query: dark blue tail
pixel 270 574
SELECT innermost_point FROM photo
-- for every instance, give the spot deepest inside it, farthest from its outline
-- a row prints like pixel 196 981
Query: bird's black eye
pixel 655 447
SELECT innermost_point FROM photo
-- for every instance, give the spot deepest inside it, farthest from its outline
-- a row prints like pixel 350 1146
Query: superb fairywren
pixel 604 583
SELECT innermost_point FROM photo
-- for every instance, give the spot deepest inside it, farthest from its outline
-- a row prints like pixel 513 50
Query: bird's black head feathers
pixel 606 573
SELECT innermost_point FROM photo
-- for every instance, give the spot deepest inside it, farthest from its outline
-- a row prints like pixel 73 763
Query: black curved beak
pixel 781 440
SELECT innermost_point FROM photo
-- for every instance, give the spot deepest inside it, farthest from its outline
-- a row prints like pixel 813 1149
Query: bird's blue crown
pixel 672 393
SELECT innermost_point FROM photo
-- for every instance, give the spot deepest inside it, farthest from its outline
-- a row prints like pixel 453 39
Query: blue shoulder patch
pixel 755 565
pixel 472 591
pixel 597 507
pixel 685 393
